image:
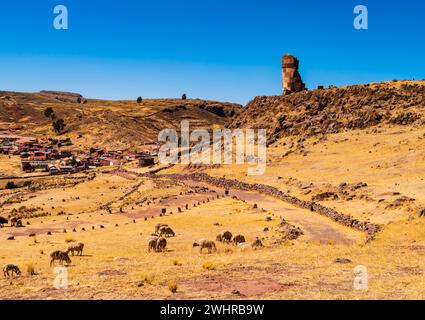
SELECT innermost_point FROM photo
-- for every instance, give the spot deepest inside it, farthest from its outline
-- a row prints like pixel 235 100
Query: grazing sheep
pixel 19 224
pixel 161 244
pixel 225 236
pixel 10 268
pixel 159 225
pixel 205 244
pixel 60 256
pixel 15 222
pixel 167 231
pixel 3 221
pixel 257 243
pixel 152 243
pixel 238 239
pixel 78 246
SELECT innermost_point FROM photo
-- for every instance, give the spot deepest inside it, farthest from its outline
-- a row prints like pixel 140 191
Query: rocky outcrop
pixel 328 111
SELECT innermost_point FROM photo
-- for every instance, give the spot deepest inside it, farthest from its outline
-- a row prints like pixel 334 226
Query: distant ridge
pixel 62 93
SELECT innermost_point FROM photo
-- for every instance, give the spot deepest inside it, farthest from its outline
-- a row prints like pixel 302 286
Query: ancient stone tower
pixel 292 81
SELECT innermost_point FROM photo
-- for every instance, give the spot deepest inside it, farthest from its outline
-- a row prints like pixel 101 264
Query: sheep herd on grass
pixel 157 242
pixel 238 240
pixel 61 256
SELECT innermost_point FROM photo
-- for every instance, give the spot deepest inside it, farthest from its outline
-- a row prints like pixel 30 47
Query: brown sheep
pixel 205 244
pixel 60 256
pixel 17 223
pixel 167 231
pixel 225 236
pixel 79 246
pixel 159 225
pixel 238 239
pixel 152 242
pixel 10 268
pixel 161 244
pixel 257 243
pixel 3 221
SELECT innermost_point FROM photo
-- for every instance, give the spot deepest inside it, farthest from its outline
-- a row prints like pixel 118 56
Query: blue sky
pixel 223 50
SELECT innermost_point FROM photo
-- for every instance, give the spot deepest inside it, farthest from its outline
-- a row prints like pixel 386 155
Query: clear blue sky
pixel 226 50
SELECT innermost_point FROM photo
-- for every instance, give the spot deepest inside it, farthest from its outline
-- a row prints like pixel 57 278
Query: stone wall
pixel 369 228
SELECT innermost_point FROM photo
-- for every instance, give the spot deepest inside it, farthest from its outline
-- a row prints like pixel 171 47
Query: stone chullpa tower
pixel 292 81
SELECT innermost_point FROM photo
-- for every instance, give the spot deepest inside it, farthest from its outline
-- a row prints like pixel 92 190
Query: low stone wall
pixel 370 228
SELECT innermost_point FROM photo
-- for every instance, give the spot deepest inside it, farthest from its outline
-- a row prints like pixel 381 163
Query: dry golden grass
pixel 116 261
pixel 117 265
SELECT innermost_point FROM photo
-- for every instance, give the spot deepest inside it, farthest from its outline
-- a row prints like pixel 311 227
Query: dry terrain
pixel 104 123
pixel 369 166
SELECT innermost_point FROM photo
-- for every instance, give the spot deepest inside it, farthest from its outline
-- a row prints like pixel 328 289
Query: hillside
pixel 105 123
pixel 333 110
pixel 361 169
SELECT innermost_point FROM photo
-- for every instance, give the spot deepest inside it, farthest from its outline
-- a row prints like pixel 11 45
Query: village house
pixel 150 148
pixel 146 161
pixel 31 166
pixel 111 162
pixel 40 155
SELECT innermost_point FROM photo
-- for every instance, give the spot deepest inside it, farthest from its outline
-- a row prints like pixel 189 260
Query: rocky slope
pixel 334 110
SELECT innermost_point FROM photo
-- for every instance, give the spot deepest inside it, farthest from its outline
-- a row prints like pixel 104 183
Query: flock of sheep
pixel 157 241
pixel 62 256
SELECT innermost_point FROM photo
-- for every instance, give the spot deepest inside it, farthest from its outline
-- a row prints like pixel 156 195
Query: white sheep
pixel 79 246
pixel 206 244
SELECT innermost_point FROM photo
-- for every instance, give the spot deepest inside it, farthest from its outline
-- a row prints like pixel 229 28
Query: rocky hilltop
pixel 333 110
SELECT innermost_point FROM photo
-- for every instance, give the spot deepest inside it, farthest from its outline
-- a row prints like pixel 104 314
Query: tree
pixel 79 100
pixel 184 97
pixel 48 112
pixel 73 161
pixel 139 100
pixel 58 125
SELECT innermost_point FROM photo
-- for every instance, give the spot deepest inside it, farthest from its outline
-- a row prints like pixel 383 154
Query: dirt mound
pixel 333 110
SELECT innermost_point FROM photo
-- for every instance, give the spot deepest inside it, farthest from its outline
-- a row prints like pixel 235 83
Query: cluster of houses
pixel 54 155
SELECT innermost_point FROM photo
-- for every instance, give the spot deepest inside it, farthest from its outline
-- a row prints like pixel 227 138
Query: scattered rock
pixel 325 196
pixel 343 260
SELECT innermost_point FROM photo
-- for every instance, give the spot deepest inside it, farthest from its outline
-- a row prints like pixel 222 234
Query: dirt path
pixel 315 227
